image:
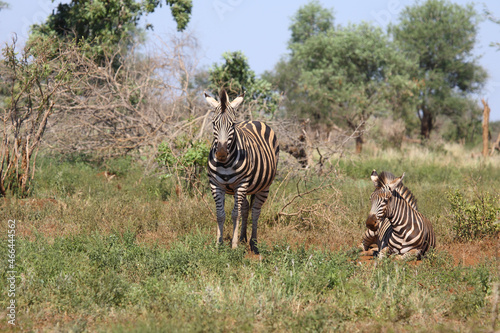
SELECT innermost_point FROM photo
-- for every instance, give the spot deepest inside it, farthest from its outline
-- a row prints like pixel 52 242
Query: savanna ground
pixel 113 247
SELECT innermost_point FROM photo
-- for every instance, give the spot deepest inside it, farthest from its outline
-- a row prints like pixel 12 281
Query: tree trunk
pixel 359 143
pixel 486 132
pixel 426 123
pixel 358 130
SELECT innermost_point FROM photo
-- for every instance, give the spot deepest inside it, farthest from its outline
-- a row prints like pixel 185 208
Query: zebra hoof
pixel 253 246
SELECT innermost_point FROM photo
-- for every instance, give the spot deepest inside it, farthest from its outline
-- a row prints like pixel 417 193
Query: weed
pixel 475 218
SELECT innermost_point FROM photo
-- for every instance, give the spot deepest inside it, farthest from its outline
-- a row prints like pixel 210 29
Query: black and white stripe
pixel 379 237
pixel 242 161
pixel 394 222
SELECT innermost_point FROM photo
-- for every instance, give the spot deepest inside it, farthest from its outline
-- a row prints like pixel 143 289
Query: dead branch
pixel 113 111
pixel 300 195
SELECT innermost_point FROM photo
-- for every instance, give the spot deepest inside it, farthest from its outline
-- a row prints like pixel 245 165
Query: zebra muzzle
pixel 372 222
pixel 221 152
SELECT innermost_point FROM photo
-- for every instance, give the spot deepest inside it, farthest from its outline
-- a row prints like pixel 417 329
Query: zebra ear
pixel 237 101
pixel 211 100
pixel 395 183
pixel 374 177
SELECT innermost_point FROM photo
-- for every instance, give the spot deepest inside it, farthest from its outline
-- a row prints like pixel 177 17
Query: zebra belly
pixel 231 185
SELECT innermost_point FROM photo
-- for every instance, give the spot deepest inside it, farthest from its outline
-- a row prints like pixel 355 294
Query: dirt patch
pixel 473 253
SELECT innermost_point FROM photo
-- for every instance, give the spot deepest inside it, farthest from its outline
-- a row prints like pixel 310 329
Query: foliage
pixel 189 160
pixel 387 132
pixel 341 76
pixel 105 24
pixel 493 19
pixel 352 73
pixel 310 20
pixel 477 218
pixel 447 72
pixel 194 154
pixel 236 77
pixel 465 126
pixel 3 5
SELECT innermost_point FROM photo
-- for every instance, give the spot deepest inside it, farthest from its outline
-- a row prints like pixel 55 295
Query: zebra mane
pixel 386 177
pixel 223 100
pixel 224 106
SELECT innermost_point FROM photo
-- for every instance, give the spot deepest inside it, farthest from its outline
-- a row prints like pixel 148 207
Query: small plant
pixel 476 218
pixel 187 160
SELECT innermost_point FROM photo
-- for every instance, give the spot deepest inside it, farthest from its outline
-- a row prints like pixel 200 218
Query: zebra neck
pixel 399 212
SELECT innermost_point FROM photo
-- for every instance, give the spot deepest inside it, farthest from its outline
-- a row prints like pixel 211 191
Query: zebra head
pixel 223 123
pixel 380 198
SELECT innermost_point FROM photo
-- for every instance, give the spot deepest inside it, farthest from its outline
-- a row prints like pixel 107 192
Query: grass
pixel 134 253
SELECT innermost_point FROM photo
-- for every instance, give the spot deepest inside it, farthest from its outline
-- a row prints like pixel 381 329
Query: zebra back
pixel 259 153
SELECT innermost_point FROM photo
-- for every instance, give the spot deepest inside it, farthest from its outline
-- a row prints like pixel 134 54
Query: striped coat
pixel 243 161
pixel 404 230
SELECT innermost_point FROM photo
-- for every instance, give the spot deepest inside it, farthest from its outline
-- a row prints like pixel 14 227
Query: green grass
pixel 136 254
pixel 195 285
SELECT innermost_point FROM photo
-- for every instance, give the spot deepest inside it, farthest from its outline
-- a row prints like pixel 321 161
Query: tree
pixel 3 5
pixel 236 77
pixel 310 20
pixel 340 76
pixel 30 85
pixel 489 15
pixel 105 23
pixel 351 74
pixel 440 36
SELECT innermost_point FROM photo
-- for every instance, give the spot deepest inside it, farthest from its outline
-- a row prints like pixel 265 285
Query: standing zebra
pixel 394 221
pixel 242 161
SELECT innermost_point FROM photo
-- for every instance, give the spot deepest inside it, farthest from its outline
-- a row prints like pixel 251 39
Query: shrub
pixel 187 160
pixel 474 218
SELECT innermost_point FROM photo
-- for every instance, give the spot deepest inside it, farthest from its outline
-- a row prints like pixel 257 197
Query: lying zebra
pixel 394 223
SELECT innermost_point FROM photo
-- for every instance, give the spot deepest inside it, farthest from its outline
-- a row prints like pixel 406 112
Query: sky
pixel 259 28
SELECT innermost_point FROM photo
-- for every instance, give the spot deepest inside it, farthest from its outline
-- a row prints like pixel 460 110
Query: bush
pixel 187 160
pixel 474 219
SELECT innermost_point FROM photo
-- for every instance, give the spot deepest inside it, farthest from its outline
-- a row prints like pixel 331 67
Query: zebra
pixel 394 221
pixel 379 233
pixel 242 161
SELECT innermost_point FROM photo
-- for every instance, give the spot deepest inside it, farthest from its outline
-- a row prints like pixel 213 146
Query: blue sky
pixel 260 29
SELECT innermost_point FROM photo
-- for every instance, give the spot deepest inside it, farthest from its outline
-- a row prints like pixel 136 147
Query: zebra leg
pixel 258 200
pixel 384 253
pixel 239 197
pixel 413 254
pixel 219 197
pixel 371 251
pixel 244 218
